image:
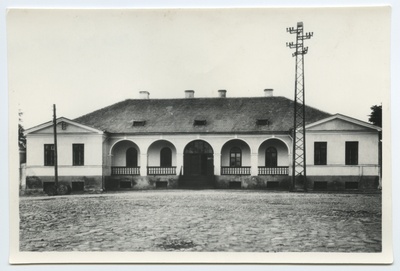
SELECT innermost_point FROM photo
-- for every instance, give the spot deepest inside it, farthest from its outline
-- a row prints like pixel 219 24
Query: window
pixel 235 157
pixel 262 122
pixel 320 153
pixel 166 157
pixel 78 154
pixel 271 157
pixel 352 153
pixel 64 125
pixel 49 154
pixel 139 123
pixel 131 157
pixel 199 122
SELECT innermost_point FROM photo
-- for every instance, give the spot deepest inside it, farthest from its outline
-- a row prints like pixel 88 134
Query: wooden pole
pixel 55 148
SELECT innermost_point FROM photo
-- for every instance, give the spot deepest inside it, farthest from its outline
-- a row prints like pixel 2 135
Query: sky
pixel 83 60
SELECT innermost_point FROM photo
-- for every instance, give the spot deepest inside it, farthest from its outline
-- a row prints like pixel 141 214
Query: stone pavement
pixel 202 220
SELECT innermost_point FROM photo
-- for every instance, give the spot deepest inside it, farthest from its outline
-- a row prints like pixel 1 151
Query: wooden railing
pixel 125 170
pixel 235 170
pixel 273 170
pixel 161 170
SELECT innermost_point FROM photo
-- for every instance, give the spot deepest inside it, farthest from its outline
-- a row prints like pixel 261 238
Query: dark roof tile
pixel 223 115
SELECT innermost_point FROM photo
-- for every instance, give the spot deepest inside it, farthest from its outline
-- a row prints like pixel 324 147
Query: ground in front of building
pixel 202 220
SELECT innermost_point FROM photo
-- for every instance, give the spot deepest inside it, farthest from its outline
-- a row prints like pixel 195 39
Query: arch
pixel 198 159
pixel 123 154
pixel 198 146
pixel 234 146
pixel 273 152
pixel 279 139
pixel 154 154
pixel 166 157
pixel 131 157
pixel 271 157
pixel 120 141
pixel 235 157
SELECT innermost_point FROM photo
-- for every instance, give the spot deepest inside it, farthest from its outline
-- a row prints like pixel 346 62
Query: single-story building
pixel 202 142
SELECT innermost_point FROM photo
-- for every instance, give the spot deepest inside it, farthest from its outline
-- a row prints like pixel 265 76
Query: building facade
pixel 202 143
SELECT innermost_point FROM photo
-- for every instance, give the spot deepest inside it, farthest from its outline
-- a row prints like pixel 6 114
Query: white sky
pixel 83 60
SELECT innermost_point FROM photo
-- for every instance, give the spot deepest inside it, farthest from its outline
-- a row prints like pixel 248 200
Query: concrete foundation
pixel 273 182
pixel 140 182
pixel 253 182
pixel 340 183
pixel 77 183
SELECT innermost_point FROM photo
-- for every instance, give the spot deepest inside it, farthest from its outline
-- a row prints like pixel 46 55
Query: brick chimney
pixel 268 92
pixel 144 95
pixel 189 94
pixel 222 93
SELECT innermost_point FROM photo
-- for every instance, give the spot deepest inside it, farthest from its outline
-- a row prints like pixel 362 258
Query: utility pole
pixel 299 132
pixel 55 149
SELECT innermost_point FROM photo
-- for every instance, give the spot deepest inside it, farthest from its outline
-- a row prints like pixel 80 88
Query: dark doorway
pixel 271 157
pixel 166 157
pixel 131 157
pixel 198 159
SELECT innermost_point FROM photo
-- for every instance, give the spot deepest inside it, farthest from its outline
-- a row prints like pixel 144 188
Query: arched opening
pixel 271 157
pixel 125 158
pixel 235 158
pixel 165 157
pixel 131 157
pixel 198 159
pixel 161 158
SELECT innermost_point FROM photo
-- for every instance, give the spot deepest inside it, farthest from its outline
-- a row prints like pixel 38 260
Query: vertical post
pixel 304 126
pixel 55 147
pixel 143 164
pixel 217 164
pixel 299 118
pixel 254 164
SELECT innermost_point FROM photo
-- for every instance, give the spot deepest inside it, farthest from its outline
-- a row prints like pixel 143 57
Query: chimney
pixel 144 95
pixel 268 92
pixel 222 93
pixel 189 93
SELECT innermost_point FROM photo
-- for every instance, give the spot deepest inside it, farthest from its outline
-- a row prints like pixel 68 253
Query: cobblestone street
pixel 202 220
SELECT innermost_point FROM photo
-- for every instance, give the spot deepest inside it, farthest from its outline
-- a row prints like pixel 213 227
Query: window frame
pixel 320 158
pixel 237 157
pixel 351 153
pixel 48 154
pixel 78 154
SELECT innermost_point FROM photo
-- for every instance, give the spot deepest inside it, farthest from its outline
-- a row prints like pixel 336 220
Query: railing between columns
pixel 235 170
pixel 161 170
pixel 125 170
pixel 273 170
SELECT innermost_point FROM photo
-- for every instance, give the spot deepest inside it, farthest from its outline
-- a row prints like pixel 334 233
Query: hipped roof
pixel 223 115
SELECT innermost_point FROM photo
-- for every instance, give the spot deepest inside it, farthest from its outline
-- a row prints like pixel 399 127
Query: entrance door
pixel 271 157
pixel 198 159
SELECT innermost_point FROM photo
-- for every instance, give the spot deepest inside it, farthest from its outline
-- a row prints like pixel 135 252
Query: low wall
pixel 314 183
pixel 140 182
pixel 84 183
pixel 253 182
pixel 277 182
pixel 337 183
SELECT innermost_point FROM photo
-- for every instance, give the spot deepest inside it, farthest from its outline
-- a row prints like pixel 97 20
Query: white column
pixel 217 164
pixel 143 164
pixel 254 164
pixel 179 163
pixel 290 164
